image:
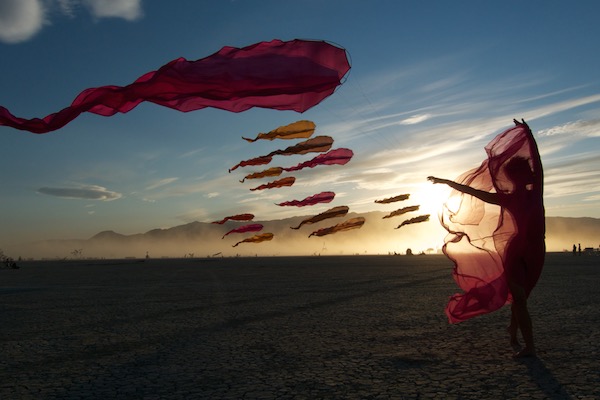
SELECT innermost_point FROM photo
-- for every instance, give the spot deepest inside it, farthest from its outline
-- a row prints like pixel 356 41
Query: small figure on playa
pixel 505 269
pixel 574 250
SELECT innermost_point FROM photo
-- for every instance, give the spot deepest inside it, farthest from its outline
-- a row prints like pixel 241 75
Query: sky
pixel 431 83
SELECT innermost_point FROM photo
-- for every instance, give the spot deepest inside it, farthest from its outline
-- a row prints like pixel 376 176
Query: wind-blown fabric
pixel 293 75
pixel 323 197
pixel 352 223
pixel 288 181
pixel 261 237
pixel 394 199
pixel 317 144
pixel 245 228
pixel 490 244
pixel 238 217
pixel 300 129
pixel 334 212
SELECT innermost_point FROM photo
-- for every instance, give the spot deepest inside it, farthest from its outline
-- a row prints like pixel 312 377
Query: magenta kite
pixel 333 157
pixel 294 75
pixel 245 228
pixel 323 197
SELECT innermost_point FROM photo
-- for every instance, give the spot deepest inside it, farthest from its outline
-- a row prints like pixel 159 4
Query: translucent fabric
pixel 294 75
pixel 492 244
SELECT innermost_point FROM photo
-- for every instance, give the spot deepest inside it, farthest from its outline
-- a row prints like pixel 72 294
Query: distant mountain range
pixel 201 239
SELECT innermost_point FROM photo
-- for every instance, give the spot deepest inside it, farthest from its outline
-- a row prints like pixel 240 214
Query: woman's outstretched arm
pixel 488 197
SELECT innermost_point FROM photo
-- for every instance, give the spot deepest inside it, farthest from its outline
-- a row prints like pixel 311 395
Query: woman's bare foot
pixel 524 353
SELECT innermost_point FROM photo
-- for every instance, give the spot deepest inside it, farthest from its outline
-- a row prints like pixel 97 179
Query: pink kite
pixel 244 229
pixel 352 223
pixel 334 212
pixel 323 197
pixel 261 237
pixel 484 240
pixel 314 145
pixel 296 130
pixel 238 217
pixel 294 75
pixel 337 156
pixel 288 181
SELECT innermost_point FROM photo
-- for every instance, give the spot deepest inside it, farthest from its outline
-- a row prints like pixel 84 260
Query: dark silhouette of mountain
pixel 203 239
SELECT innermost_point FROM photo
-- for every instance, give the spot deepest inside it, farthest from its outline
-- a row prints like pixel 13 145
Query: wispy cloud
pixel 589 128
pixel 161 182
pixel 21 20
pixel 82 192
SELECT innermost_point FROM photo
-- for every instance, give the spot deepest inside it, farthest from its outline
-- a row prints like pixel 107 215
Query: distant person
pixel 579 248
pixel 574 249
pixel 504 270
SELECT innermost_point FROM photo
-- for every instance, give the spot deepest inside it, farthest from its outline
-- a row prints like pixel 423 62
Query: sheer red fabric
pixel 294 75
pixel 489 244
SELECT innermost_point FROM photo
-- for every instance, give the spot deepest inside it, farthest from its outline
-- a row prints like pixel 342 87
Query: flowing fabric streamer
pixel 352 223
pixel 238 217
pixel 333 157
pixel 401 211
pixel 294 75
pixel 317 144
pixel 482 239
pixel 244 229
pixel 289 181
pixel 323 197
pixel 273 171
pixel 334 212
pixel 394 199
pixel 296 130
pixel 256 239
pixel 415 220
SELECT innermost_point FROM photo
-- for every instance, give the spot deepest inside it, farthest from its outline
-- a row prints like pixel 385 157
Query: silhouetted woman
pixel 498 252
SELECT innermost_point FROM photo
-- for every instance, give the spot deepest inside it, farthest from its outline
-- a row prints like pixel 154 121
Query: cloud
pixel 83 192
pixel 161 182
pixel 126 9
pixel 415 119
pixel 20 20
pixel 589 128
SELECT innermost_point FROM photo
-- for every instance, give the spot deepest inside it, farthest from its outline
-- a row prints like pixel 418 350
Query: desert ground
pixel 353 327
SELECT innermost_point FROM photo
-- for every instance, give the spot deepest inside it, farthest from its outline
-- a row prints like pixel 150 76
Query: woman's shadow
pixel 544 379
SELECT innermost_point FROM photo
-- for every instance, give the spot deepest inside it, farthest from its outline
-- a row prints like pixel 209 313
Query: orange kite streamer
pixel 288 181
pixel 273 171
pixel 401 211
pixel 334 212
pixel 261 237
pixel 415 220
pixel 317 144
pixel 323 197
pixel 297 130
pixel 352 223
pixel 401 197
pixel 238 217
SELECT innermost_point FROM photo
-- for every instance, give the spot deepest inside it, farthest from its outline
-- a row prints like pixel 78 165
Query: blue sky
pixel 431 83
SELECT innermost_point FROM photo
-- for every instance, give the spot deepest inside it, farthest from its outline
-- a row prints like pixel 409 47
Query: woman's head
pixel 519 171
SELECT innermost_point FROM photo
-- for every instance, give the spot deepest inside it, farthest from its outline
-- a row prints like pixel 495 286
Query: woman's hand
pixel 433 179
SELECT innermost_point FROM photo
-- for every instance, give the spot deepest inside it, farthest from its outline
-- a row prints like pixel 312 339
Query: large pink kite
pixel 245 228
pixel 483 238
pixel 294 75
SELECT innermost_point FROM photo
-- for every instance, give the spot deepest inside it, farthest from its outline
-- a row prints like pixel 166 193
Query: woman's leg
pixel 513 329
pixel 521 313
